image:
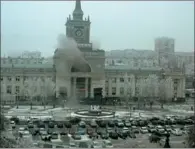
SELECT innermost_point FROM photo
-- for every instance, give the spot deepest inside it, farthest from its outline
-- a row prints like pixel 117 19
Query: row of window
pixel 18 78
pixel 122 91
pixel 122 80
pixel 9 89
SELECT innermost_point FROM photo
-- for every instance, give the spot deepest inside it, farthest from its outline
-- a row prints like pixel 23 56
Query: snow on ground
pixel 62 113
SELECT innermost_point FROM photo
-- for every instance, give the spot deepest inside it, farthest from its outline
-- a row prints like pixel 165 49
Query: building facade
pixel 111 77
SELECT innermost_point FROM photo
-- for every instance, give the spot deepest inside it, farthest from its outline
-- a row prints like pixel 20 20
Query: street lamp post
pixel 193 84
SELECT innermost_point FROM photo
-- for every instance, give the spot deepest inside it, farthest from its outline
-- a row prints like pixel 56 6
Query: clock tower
pixel 79 28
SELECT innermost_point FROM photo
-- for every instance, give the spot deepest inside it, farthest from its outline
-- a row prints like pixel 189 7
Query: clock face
pixel 78 33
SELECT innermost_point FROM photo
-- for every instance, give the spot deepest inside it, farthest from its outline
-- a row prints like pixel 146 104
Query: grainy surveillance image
pixel 122 77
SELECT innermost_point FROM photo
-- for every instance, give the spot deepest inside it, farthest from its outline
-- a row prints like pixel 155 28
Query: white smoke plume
pixel 95 44
pixel 68 55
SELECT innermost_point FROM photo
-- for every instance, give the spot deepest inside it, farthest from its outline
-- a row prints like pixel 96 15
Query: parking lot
pixel 134 132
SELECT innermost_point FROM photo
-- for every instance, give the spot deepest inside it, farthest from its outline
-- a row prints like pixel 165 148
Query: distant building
pixel 112 74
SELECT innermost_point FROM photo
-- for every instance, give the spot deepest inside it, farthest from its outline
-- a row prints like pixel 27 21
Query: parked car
pixel 93 124
pixel 109 129
pixel 60 125
pixel 51 125
pixel 41 125
pixel 132 135
pixel 13 124
pixel 122 134
pixel 102 124
pixel 82 124
pixel 93 135
pixel 54 135
pixel 113 135
pixel 135 129
pixel 68 125
pixel 45 136
pixel 107 144
pixel 76 137
pixel 177 132
pixel 120 124
pixel 111 124
pixel 144 130
pixel 97 144
pixel 104 135
pixel 127 124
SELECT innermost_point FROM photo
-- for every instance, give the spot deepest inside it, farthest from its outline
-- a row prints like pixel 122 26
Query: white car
pixel 144 130
pixel 13 124
pixel 21 130
pixel 97 144
pixel 177 132
pixel 159 127
pixel 72 145
pixel 82 124
pixel 107 144
pixel 125 129
pixel 26 134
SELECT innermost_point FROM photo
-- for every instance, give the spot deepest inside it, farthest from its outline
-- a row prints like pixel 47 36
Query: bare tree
pixel 190 138
pixel 3 91
pixel 152 85
pixel 48 90
pixel 31 89
pixel 165 90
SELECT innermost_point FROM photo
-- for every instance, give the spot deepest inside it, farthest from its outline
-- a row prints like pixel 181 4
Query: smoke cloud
pixel 69 55
pixel 95 44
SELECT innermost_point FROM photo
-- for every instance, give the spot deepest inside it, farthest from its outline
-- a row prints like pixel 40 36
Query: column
pixel 109 87
pixel 117 86
pixel 86 86
pixel 74 86
pixel 91 89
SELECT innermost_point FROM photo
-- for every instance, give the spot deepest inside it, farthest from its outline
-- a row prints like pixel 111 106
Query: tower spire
pixel 78 13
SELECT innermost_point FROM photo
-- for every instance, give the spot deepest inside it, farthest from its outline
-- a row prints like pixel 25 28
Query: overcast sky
pixel 115 25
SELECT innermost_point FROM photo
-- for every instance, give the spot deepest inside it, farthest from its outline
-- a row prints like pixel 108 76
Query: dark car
pixel 49 131
pixel 89 131
pixel 102 124
pixel 135 129
pixel 122 134
pixel 60 125
pixel 51 125
pixel 113 135
pixel 104 135
pixel 161 122
pixel 132 135
pixel 99 131
pixel 41 125
pixel 75 120
pixel 134 123
pixel 93 135
pixel 93 124
pixel 127 124
pixel 154 138
pixel 54 135
pixel 68 125
pixel 111 124
pixel 63 133
pixel 30 125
